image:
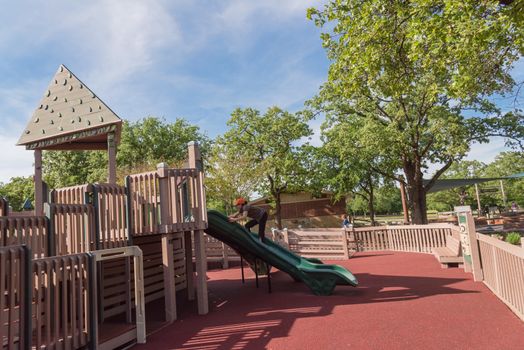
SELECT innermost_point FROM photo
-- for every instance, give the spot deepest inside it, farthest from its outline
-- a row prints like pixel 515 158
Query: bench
pixel 450 254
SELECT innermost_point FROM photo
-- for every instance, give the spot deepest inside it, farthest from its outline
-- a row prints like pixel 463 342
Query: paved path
pixel 404 301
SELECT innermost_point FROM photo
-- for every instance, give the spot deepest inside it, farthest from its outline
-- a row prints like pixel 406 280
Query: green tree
pixel 505 164
pixel 446 200
pixel 354 164
pixel 144 144
pixel 17 190
pixel 268 143
pixel 229 175
pixel 415 79
pixel 152 140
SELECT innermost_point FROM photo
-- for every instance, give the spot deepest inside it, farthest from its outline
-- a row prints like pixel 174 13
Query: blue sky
pixel 193 59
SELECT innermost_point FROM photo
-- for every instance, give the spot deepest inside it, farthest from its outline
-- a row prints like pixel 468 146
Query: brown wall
pixel 308 209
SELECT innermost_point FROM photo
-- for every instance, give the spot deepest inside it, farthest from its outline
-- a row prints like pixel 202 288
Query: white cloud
pixel 15 161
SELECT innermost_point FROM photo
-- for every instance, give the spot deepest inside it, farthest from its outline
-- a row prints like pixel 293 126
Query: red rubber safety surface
pixel 404 301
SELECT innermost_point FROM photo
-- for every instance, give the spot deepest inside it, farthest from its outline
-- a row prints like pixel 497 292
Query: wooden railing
pixel 73 228
pixel 31 231
pixel 218 251
pixel 186 201
pixel 503 271
pixel 144 203
pixel 166 200
pixel 62 295
pixel 406 238
pixel 71 195
pixel 110 203
pixel 319 243
pixel 15 298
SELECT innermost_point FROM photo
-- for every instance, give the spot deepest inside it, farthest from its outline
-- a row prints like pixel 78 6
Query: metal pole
pixel 478 200
pixel 404 204
pixel 242 268
pixel 503 194
pixel 268 277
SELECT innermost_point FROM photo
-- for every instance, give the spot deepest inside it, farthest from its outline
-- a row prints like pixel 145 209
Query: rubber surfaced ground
pixel 404 301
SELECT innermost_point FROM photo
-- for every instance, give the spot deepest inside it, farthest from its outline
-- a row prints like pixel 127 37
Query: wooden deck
pixel 404 301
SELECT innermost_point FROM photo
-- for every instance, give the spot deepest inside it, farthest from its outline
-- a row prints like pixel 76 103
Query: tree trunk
pixel 416 193
pixel 278 210
pixel 371 203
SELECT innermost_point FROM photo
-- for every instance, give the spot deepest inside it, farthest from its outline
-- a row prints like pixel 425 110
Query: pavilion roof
pixel 446 184
pixel 69 116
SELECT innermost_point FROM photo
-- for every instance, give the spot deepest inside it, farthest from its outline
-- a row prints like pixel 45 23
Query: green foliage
pixel 506 163
pixel 68 168
pixel 387 200
pixel 448 199
pixel 17 190
pixel 144 144
pixel 267 145
pixel 229 176
pixel 402 78
pixel 513 238
pixel 152 140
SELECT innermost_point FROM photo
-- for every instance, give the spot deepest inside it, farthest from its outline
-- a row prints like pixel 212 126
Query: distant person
pixel 346 223
pixel 514 207
pixel 257 215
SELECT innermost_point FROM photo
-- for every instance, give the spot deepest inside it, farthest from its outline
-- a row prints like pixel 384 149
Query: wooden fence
pixel 503 271
pixel 62 295
pixel 15 298
pixel 110 203
pixel 187 209
pixel 51 303
pixel 144 202
pixel 71 195
pixel 405 238
pixel 72 227
pixel 31 231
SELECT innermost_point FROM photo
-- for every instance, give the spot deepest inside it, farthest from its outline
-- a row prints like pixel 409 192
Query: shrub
pixel 513 238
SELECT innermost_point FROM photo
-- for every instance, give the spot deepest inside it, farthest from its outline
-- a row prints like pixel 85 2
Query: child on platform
pixel 257 215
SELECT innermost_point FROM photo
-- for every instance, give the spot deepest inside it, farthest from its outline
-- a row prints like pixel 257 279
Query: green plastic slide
pixel 320 278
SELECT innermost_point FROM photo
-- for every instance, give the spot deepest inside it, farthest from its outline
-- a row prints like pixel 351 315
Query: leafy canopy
pixel 144 144
pixel 413 80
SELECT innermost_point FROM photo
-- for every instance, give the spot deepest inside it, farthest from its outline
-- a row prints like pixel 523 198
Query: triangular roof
pixel 69 116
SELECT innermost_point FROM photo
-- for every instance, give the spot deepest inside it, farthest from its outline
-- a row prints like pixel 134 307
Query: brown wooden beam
pixel 78 146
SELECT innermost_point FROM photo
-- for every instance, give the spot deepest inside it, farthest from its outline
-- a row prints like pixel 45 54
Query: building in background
pixel 305 210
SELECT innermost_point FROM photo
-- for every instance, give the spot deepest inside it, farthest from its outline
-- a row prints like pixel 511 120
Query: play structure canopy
pixel 70 116
pixel 446 184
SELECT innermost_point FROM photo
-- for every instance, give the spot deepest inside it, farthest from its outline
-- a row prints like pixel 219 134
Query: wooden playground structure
pixel 80 270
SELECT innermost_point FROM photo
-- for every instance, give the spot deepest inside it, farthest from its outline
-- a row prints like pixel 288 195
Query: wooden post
pixel 111 156
pixel 140 312
pixel 39 185
pixel 345 243
pixel 190 271
pixel 475 250
pixel 478 199
pixel 201 268
pixel 468 240
pixel 169 278
pixel 195 161
pixel 194 156
pixel 225 257
pixel 285 234
pixel 167 246
pixel 404 203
